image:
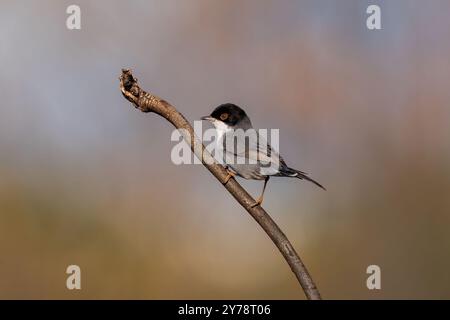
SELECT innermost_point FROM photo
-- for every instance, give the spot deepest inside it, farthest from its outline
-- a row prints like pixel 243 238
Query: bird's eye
pixel 224 116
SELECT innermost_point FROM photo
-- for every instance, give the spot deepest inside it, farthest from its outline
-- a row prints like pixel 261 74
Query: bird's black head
pixel 230 114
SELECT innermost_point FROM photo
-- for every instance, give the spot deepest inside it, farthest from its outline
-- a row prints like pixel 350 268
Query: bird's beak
pixel 207 118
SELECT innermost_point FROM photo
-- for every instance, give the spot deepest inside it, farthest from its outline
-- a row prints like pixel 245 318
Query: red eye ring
pixel 224 116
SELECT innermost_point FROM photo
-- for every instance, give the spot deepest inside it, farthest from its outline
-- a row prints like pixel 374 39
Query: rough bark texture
pixel 147 102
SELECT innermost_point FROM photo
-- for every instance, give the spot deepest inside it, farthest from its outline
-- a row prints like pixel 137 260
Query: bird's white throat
pixel 221 128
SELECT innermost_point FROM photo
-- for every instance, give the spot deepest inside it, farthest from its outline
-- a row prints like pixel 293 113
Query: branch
pixel 147 102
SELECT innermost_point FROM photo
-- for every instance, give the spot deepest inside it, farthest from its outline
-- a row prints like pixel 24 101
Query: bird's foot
pixel 229 176
pixel 258 202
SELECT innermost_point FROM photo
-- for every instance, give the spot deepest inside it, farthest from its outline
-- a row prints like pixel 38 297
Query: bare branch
pixel 147 102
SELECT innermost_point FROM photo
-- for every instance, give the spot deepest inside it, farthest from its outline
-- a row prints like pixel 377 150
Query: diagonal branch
pixel 147 102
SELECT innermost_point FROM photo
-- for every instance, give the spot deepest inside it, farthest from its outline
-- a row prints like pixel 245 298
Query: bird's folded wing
pixel 251 150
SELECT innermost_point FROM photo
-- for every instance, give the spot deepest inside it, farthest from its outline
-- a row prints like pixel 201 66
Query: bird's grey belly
pixel 248 171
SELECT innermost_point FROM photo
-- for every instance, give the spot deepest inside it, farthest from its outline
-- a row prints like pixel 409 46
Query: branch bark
pixel 147 102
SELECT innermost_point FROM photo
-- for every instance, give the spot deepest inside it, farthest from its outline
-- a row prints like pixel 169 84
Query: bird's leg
pixel 230 175
pixel 261 198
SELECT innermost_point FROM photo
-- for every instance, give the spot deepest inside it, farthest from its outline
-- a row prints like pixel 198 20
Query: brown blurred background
pixel 87 180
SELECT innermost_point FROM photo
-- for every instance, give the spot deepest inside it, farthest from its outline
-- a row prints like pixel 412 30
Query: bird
pixel 250 156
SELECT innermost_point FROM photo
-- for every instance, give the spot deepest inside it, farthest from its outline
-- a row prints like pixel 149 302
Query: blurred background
pixel 85 179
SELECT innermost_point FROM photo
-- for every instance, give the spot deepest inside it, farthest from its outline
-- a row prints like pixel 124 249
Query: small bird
pixel 249 158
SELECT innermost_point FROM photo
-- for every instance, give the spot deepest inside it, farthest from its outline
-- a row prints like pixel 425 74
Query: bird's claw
pixel 229 176
pixel 257 203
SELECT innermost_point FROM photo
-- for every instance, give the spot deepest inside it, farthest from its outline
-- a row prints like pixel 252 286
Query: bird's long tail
pixel 289 172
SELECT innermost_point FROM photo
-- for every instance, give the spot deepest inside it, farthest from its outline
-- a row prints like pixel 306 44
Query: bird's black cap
pixel 229 113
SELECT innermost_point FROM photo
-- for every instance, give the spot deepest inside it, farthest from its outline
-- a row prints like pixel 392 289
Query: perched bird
pixel 249 156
